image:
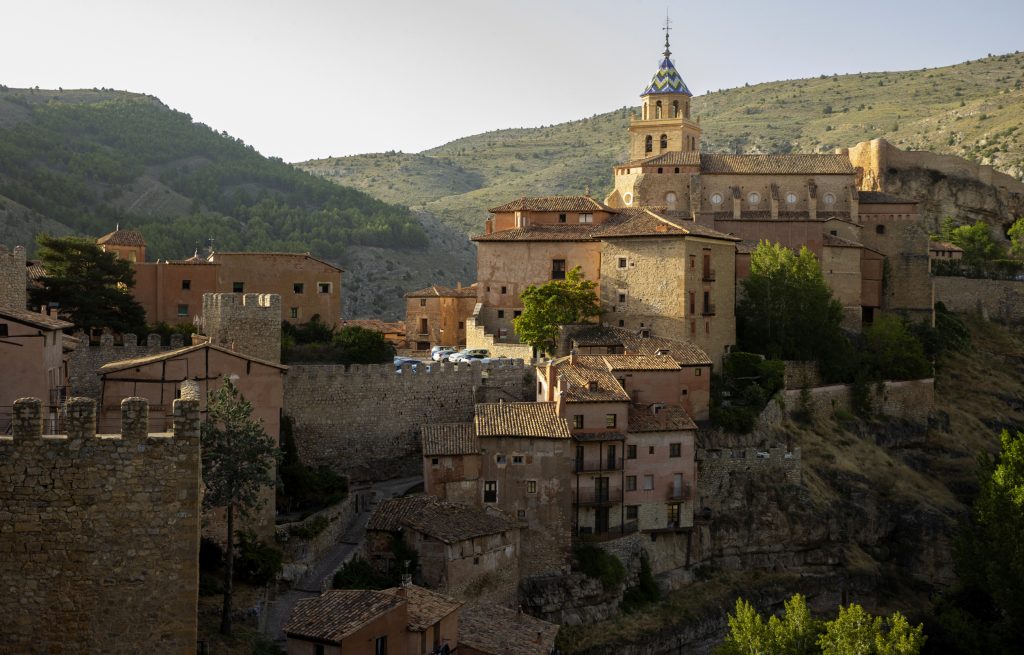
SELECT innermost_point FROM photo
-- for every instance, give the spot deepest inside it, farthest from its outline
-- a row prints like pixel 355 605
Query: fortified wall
pixel 13 288
pixel 99 534
pixel 86 359
pixel 248 323
pixel 715 468
pixel 1000 300
pixel 365 421
pixel 478 337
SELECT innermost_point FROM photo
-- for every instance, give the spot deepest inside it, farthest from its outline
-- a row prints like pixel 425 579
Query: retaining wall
pixel 1000 300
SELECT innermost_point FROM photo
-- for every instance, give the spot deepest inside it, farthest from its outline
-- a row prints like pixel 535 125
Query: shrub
pixel 310 529
pixel 258 563
pixel 600 565
pixel 646 589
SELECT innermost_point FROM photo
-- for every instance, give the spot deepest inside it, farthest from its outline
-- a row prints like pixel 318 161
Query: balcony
pixel 587 534
pixel 678 494
pixel 597 467
pixel 708 275
pixel 708 310
pixel 58 395
pixel 597 497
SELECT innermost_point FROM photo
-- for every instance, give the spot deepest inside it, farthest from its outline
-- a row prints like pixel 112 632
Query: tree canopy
pixel 315 341
pixel 980 249
pixel 553 304
pixel 91 287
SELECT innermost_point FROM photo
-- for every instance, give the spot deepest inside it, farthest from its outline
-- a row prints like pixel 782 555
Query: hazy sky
pixel 313 78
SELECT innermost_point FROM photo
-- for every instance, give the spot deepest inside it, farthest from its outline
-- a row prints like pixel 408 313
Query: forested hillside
pixel 973 110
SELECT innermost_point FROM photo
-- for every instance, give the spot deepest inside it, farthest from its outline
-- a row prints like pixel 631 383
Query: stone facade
pixel 1000 300
pixel 478 337
pixel 365 420
pixel 908 400
pixel 248 323
pixel 87 358
pixel 436 316
pixel 717 466
pixel 99 535
pixel 13 287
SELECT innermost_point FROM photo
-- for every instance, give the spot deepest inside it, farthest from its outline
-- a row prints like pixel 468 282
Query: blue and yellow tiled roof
pixel 667 80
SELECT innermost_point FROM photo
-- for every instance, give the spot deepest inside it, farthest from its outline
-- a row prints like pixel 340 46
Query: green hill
pixel 86 160
pixel 971 109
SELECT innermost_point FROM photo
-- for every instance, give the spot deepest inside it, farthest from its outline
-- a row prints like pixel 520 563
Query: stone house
pixel 499 630
pixel 464 551
pixel 172 291
pixel 944 251
pixel 125 244
pixel 32 348
pixel 451 461
pixel 436 316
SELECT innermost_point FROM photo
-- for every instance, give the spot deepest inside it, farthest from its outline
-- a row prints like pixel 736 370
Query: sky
pixel 303 79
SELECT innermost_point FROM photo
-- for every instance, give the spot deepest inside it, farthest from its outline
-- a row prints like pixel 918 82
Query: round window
pixel 791 198
pixel 829 199
pixel 670 199
pixel 754 197
pixel 628 198
pixel 716 199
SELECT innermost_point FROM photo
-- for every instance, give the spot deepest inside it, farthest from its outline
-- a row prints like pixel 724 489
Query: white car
pixel 441 353
pixel 469 354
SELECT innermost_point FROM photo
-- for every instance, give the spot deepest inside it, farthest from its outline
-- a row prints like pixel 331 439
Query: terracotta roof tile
pixel 122 238
pixel 834 241
pixel 436 518
pixel 449 439
pixel 338 613
pixel 520 420
pixel 688 158
pixel 944 246
pixel 587 379
pixel 217 254
pixel 35 319
pixel 638 362
pixel 552 204
pixel 686 353
pixel 121 364
pixel 541 233
pixel 501 631
pixel 669 418
pixel 425 607
pixel 647 222
pixel 800 164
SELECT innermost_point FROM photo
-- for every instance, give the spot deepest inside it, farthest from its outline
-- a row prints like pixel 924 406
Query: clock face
pixel 716 199
pixel 829 199
pixel 754 198
pixel 791 198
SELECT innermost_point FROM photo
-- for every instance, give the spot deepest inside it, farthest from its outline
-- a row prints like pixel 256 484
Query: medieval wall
pixel 717 466
pixel 1001 300
pixel 86 359
pixel 477 335
pixel 249 323
pixel 909 400
pixel 99 535
pixel 13 291
pixel 365 420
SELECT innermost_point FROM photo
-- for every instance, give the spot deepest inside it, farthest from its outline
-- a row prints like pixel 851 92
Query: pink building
pixel 32 350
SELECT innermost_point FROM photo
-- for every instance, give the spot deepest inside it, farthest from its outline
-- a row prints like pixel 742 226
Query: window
pixel 610 420
pixel 834 233
pixel 657 109
pixel 504 290
pixel 294 312
pixel 628 198
pixel 649 143
pixel 675 450
pixel 632 512
pixel 829 199
pixel 186 285
pixel 879 229
pixel 630 483
pixel 673 515
pixel 561 218
pixel 648 483
pixel 516 313
pixel 675 108
pixel 622 323
pixel 490 491
pixel 716 199
pixel 650 450
pixel 586 218
pixel 693 262
pixel 707 303
pixel 381 646
pixel 622 262
pixel 299 287
pixel 435 461
pixel 521 514
pixel 462 325
pixel 518 459
pixel 182 310
pixel 238 287
pixel 663 142
pixel 791 198
pixel 557 269
pixel 697 371
pixel 693 302
pixel 661 170
pixel 684 392
pixel 3 329
pixel 622 295
pixel 531 486
pixel 500 459
pixel 323 287
pixel 631 451
pixel 501 313
pixel 707 327
pixel 754 198
pixel 577 421
pixel 423 302
pixel 693 327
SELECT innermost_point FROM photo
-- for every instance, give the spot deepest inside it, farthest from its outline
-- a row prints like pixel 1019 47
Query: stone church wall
pixel 99 535
pixel 365 421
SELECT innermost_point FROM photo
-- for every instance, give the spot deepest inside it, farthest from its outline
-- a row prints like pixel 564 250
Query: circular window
pixel 628 198
pixel 670 199
pixel 829 199
pixel 754 198
pixel 716 199
pixel 791 198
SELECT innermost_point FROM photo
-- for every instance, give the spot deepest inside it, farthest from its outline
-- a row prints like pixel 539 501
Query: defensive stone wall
pixel 86 358
pixel 301 552
pixel 365 421
pixel 478 337
pixel 99 534
pixel 248 323
pixel 800 374
pixel 13 274
pixel 909 400
pixel 999 300
pixel 715 467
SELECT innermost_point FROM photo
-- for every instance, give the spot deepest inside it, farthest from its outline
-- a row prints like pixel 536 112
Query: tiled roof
pixel 674 158
pixel 35 319
pixel 449 439
pixel 122 364
pixel 667 80
pixel 541 233
pixel 636 362
pixel 800 164
pixel 880 198
pixel 944 245
pixel 435 291
pixel 122 238
pixel 685 353
pixel 338 613
pixel 834 241
pixel 501 631
pixel 425 607
pixel 647 222
pixel 436 518
pixel 588 380
pixel 668 419
pixel 552 204
pixel 520 420
pixel 213 257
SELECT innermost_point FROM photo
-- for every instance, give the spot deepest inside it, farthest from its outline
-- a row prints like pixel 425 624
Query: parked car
pixel 405 360
pixel 468 354
pixel 441 353
pixel 496 359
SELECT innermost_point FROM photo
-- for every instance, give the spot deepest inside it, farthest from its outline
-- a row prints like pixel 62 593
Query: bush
pixel 600 565
pixel 357 573
pixel 257 563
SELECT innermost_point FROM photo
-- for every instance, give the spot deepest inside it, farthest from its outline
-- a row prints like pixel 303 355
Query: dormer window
pixel 591 386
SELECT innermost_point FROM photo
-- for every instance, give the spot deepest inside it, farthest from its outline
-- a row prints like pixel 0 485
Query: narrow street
pixel 319 576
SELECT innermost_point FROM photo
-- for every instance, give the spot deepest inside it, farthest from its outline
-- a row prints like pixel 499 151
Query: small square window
pixel 182 310
pixel 622 323
pixel 504 289
pixel 294 312
pixel 186 285
pixel 516 313
pixel 697 371
pixel 650 450
pixel 521 514
pixel 622 262
pixel 462 325
pixel 531 486
pixel 501 313
pixel 299 287
pixel 323 287
pixel 435 461
pixel 423 302
pixel 648 482
pixel 238 287
pixel 622 297
pixel 879 229
pixel 577 421
pixel 490 491
pixel 610 420
pixel 632 512
pixel 675 450
pixel 561 218
pixel 586 218
pixel 518 459
pixel 631 451
pixel 630 483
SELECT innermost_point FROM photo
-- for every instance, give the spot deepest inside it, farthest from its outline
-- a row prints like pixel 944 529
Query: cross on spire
pixel 668 26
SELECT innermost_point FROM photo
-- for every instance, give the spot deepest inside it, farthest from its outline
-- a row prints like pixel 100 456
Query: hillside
pixel 971 109
pixel 83 161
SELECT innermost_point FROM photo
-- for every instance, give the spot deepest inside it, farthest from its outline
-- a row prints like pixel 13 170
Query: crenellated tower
pixel 664 124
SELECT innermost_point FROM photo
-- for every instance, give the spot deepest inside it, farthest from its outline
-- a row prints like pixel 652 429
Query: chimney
pixel 489 226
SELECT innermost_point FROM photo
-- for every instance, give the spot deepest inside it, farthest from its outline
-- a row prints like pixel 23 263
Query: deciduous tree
pixel 555 303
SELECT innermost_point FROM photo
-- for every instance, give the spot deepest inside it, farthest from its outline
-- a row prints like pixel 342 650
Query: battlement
pixel 772 456
pixel 80 421
pixel 249 323
pixel 87 358
pixel 480 372
pixel 13 278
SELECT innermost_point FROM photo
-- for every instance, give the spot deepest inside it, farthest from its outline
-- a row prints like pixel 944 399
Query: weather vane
pixel 667 28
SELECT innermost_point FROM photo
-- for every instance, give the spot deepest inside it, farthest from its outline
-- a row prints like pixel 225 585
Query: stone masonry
pixel 13 292
pixel 717 466
pixel 248 323
pixel 365 420
pixel 99 534
pixel 86 359
pixel 1000 300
